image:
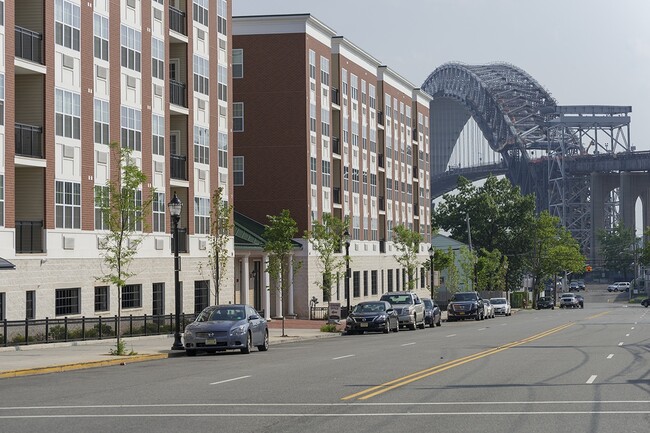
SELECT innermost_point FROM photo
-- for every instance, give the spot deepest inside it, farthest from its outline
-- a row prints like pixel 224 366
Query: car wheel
pixel 439 323
pixel 552 308
pixel 396 326
pixel 189 352
pixel 249 343
pixel 413 326
pixel 264 347
pixel 386 329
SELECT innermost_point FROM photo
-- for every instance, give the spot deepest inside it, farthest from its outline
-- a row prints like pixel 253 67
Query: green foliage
pixel 617 249
pixel 407 243
pixel 491 269
pixel 20 339
pixel 644 254
pixel 278 235
pixel 120 349
pixel 220 227
pixel 326 239
pixel 467 262
pixel 453 274
pixel 328 327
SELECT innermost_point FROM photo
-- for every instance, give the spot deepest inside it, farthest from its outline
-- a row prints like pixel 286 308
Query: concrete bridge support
pixel 601 185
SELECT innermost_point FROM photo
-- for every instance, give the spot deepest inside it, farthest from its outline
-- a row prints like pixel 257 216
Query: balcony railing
pixel 29 140
pixel 382 203
pixel 29 45
pixel 182 241
pixel 337 194
pixel 380 160
pixel 178 167
pixel 29 237
pixel 336 145
pixel 415 135
pixel 178 93
pixel 380 117
pixel 335 96
pixel 177 20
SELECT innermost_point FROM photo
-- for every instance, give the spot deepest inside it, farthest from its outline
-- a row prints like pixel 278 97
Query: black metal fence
pixel 40 331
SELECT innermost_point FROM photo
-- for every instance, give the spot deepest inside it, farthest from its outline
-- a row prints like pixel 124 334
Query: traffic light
pixel 588 268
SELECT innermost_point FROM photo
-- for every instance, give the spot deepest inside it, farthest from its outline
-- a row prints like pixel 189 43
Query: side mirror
pixel 389 311
pixel 253 317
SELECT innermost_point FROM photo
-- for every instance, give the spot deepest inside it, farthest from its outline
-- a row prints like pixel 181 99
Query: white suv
pixel 620 286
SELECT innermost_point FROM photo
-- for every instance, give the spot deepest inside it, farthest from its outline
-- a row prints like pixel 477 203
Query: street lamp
pixel 431 251
pixel 175 207
pixel 346 238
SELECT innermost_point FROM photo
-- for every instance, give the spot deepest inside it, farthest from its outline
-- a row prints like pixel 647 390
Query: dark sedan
pixel 581 301
pixel 226 327
pixel 645 302
pixel 432 314
pixel 377 316
pixel 545 302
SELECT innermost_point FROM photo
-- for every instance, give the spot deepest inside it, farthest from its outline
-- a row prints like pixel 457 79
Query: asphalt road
pixel 537 371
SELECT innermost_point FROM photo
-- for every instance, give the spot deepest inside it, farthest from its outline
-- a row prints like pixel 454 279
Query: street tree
pixel 123 211
pixel 617 249
pixel 282 265
pixel 326 239
pixel 218 238
pixel 467 262
pixel 407 242
pixel 644 254
pixel 491 269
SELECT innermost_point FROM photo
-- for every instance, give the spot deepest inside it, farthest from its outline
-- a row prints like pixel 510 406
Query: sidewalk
pixel 59 357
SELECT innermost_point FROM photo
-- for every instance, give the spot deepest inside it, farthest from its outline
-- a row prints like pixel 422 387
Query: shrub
pixel 328 327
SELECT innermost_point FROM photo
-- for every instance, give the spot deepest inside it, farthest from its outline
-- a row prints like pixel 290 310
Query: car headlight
pixel 188 335
pixel 381 318
pixel 238 330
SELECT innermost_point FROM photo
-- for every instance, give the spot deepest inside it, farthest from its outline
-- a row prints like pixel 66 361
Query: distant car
pixel 501 306
pixel 465 305
pixel 581 285
pixel 569 300
pixel 545 302
pixel 581 301
pixel 408 306
pixel 432 315
pixel 489 309
pixel 619 286
pixel 226 327
pixel 645 302
pixel 574 286
pixel 377 316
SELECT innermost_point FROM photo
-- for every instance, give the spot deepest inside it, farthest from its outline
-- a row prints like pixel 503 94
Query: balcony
pixel 178 167
pixel 29 45
pixel 337 194
pixel 177 93
pixel 380 117
pixel 177 20
pixel 182 241
pixel 29 237
pixel 382 246
pixel 414 133
pixel 380 160
pixel 336 99
pixel 29 140
pixel 382 203
pixel 336 145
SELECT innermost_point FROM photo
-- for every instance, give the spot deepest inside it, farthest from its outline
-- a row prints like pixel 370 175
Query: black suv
pixel 464 305
pixel 545 302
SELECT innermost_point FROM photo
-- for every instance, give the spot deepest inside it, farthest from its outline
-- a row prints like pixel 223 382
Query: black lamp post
pixel 175 207
pixel 346 237
pixel 431 253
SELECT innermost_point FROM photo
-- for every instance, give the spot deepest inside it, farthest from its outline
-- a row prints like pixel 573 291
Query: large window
pixel 201 145
pixel 222 13
pixel 223 150
pixel 324 71
pixel 2 200
pixel 102 298
pixel 68 113
pixel 238 171
pixel 313 170
pixel 201 295
pixel 102 119
pixel 67 23
pixel 157 58
pixel 132 296
pixel 201 215
pixel 326 173
pixel 158 301
pixel 365 283
pixel 131 48
pixel 131 123
pixel 201 74
pixel 356 284
pixel 102 201
pixel 312 64
pixel 101 37
pixel 158 134
pixel 135 214
pixel 237 63
pixel 238 116
pixel 222 83
pixel 158 208
pixel 373 282
pixel 67 301
pixel 30 304
pixel 68 205
pixel 201 11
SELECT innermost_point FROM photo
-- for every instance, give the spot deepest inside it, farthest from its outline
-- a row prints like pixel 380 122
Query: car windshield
pixel 222 313
pixel 486 302
pixel 544 299
pixel 428 303
pixel 498 301
pixel 375 307
pixel 568 295
pixel 464 297
pixel 398 299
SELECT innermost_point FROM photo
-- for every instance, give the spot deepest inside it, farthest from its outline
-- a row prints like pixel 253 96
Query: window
pixel 158 301
pixel 67 21
pixel 102 298
pixel 30 304
pixel 201 74
pixel 157 58
pixel 2 306
pixel 222 82
pixel 101 37
pixel 2 200
pixel 134 215
pixel 132 296
pixel 2 13
pixel 102 202
pixel 238 116
pixel 365 283
pixel 373 282
pixel 355 180
pixel 201 295
pixel 237 63
pixel 422 278
pixel 356 284
pixel 158 134
pixel 238 171
pixel 312 64
pixel 102 120
pixel 201 215
pixel 67 301
pixel 2 99
pixel 325 71
pixel 223 150
pixel 312 116
pixel 158 209
pixel 201 145
pixel 68 205
pixel 201 11
pixel 389 277
pixel 131 41
pixel 313 166
pixel 326 173
pixel 131 123
pixel 222 13
pixel 68 113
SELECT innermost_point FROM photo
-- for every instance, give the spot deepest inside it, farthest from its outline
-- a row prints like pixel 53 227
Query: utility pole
pixel 471 250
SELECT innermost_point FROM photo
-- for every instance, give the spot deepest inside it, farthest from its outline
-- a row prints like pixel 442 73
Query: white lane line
pixel 503 324
pixel 451 335
pixel 482 329
pixel 408 344
pixel 627 335
pixel 632 328
pixel 592 378
pixel 610 356
pixel 621 343
pixel 342 357
pixel 229 380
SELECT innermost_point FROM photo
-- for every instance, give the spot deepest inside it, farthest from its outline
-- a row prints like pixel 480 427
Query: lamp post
pixel 346 237
pixel 175 206
pixel 431 252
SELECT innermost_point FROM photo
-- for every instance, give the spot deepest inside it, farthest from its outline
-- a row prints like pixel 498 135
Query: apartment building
pixel 75 76
pixel 321 126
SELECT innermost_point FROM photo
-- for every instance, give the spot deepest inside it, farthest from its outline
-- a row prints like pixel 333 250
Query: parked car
pixel 432 314
pixel 464 305
pixel 378 316
pixel 581 285
pixel 489 309
pixel 645 302
pixel 619 286
pixel 581 301
pixel 501 306
pixel 409 308
pixel 545 302
pixel 569 300
pixel 226 327
pixel 574 286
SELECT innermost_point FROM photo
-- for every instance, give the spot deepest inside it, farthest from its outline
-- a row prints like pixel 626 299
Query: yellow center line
pixel 405 380
pixel 598 315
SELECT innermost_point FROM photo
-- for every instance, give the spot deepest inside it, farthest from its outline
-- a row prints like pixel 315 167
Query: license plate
pixel 210 341
pixel 461 312
pixel 364 325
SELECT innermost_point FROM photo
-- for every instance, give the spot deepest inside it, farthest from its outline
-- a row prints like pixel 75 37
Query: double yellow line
pixel 405 380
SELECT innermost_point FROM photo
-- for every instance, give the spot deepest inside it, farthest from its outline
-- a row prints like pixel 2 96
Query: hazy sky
pixel 583 51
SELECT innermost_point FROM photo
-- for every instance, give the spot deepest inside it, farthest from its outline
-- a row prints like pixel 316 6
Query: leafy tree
pixel 617 249
pixel 220 227
pixel 644 254
pixel 123 211
pixel 279 234
pixel 407 243
pixel 491 269
pixel 467 264
pixel 326 238
pixel 453 275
